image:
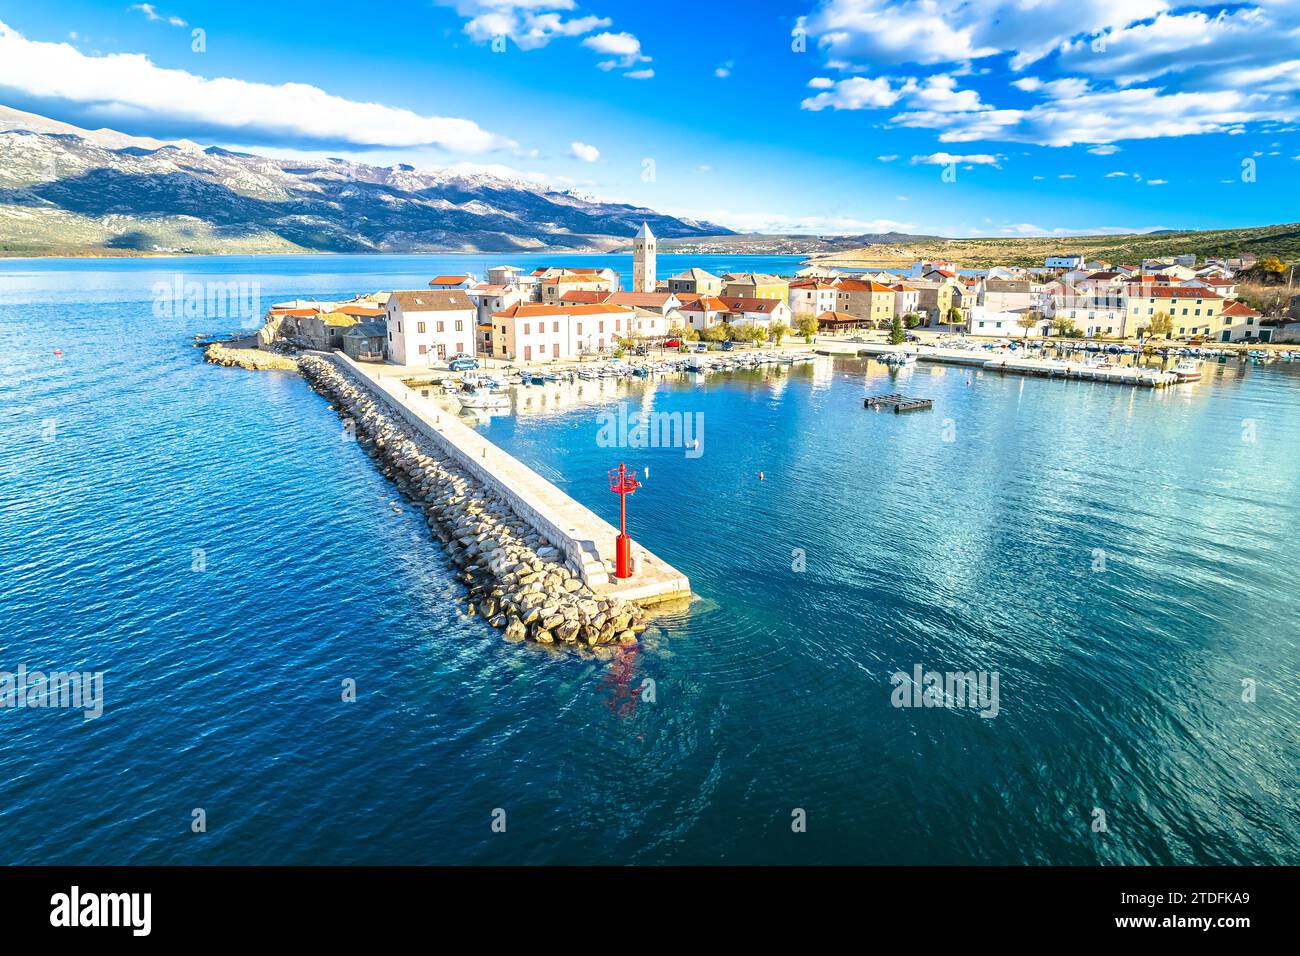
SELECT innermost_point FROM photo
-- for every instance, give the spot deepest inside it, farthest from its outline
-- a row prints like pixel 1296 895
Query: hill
pixel 1282 241
pixel 68 191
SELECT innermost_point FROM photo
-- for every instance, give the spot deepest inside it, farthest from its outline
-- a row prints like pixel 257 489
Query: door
pixel 528 353
pixel 1226 336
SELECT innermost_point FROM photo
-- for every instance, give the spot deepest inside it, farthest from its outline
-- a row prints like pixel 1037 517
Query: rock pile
pixel 251 359
pixel 516 580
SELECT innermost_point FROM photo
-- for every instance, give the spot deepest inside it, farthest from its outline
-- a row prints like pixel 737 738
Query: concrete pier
pixel 1009 362
pixel 586 540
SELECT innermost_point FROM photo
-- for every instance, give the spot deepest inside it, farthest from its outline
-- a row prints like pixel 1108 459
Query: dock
pixel 899 403
pixel 586 540
pixel 1010 363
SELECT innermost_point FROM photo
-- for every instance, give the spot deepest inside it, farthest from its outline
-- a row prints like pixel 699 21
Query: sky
pixel 972 118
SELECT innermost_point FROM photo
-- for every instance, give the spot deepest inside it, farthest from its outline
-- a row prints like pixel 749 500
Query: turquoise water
pixel 965 538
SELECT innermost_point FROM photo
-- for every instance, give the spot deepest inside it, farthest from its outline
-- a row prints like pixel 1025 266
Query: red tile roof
pixel 586 296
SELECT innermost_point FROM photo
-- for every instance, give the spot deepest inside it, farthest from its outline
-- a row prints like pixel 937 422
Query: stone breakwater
pixel 254 360
pixel 516 580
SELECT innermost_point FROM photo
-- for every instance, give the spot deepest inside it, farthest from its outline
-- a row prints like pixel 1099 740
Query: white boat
pixel 483 399
pixel 899 358
pixel 1188 371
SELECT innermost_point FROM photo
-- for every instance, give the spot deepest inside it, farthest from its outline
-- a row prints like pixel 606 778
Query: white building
pixel 906 299
pixel 813 296
pixel 1064 262
pixel 643 260
pixel 489 299
pixel 428 327
pixel 529 332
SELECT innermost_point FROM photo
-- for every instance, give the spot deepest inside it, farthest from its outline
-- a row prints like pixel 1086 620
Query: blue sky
pixel 1048 116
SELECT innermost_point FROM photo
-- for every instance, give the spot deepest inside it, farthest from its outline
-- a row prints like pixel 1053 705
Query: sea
pixel 288 674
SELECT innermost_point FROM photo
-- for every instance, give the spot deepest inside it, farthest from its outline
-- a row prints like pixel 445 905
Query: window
pixel 460 325
pixel 580 328
pixel 441 326
pixel 423 349
pixel 419 327
pixel 527 327
pixel 555 326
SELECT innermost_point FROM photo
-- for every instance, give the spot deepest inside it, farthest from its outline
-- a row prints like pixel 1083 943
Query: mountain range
pixel 71 191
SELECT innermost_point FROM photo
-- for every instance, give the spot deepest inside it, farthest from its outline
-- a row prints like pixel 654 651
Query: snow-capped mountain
pixel 65 189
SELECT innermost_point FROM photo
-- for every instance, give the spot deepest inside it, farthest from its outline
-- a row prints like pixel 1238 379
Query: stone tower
pixel 643 260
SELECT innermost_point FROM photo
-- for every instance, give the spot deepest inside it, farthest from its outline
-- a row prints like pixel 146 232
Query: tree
pixel 954 316
pixel 690 334
pixel 717 333
pixel 1161 324
pixel 912 320
pixel 1064 326
pixel 807 326
pixel 896 334
pixel 1027 321
pixel 778 331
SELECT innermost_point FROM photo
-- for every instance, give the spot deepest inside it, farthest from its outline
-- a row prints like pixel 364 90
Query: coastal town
pixel 567 313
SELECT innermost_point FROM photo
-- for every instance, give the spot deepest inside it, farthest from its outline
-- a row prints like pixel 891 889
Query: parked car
pixel 673 344
pixel 462 364
pixel 700 347
pixel 728 345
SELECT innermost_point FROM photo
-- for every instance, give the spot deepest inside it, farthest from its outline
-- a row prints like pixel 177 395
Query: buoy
pixel 760 476
pixel 58 353
pixel 647 471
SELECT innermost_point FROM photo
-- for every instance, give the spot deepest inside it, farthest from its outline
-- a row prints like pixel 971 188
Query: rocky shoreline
pixel 254 360
pixel 516 580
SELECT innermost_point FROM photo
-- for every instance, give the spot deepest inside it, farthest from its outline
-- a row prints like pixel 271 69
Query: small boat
pixel 900 358
pixel 1188 371
pixel 483 399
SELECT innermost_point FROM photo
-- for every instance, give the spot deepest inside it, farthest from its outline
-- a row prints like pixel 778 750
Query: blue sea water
pixel 971 537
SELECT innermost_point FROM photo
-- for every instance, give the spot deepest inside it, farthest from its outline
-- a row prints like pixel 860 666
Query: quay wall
pixel 585 539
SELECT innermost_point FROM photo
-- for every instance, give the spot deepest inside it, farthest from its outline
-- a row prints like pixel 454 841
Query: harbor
pixel 1009 363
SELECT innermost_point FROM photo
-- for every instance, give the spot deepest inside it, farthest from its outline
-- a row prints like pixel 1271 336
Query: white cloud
pixel 1205 43
pixel 1157 182
pixel 531 24
pixel 129 85
pixel 1107 150
pixel 937 93
pixel 723 71
pixel 640 74
pixel 1066 176
pixel 151 13
pixel 888 159
pixel 1133 70
pixel 855 93
pixel 884 32
pixel 1116 173
pixel 969 159
pixel 584 151
pixel 1092 116
pixel 625 46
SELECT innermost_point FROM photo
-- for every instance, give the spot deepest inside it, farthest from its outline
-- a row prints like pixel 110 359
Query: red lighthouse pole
pixel 622 484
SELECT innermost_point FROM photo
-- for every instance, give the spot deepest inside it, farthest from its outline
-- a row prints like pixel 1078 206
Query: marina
pixel 1095 371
